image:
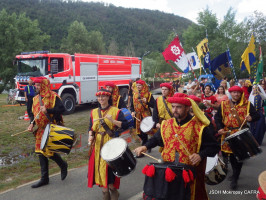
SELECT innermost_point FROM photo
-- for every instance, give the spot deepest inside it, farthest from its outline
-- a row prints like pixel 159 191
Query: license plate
pixel 21 98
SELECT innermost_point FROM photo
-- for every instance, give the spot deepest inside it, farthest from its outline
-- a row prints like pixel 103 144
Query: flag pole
pixel 209 65
pixel 231 62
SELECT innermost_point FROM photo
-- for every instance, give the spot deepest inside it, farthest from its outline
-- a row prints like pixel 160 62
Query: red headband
pixel 168 85
pixel 111 84
pixel 103 93
pixel 235 89
pixel 180 98
pixel 196 99
pixel 140 82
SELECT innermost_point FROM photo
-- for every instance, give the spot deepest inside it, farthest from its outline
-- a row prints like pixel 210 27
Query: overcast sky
pixel 190 8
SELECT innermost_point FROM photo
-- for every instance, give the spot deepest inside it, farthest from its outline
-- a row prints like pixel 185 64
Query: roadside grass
pixel 27 168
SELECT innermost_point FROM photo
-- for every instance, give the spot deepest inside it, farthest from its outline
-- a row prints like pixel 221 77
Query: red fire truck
pixel 76 78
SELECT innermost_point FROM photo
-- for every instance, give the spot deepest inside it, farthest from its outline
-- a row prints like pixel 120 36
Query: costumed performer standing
pixel 187 140
pixel 51 108
pixel 100 132
pixel 229 117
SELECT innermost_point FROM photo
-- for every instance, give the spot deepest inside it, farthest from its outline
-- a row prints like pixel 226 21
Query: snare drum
pixel 118 156
pixel 157 187
pixel 216 170
pixel 57 139
pixel 243 144
pixel 147 124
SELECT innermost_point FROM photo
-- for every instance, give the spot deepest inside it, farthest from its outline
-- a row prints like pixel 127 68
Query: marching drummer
pixel 163 109
pixel 47 108
pixel 116 99
pixel 186 140
pixel 103 121
pixel 230 116
pixel 141 103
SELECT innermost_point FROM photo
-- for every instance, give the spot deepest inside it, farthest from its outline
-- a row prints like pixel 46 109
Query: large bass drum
pixel 57 138
pixel 118 156
pixel 216 170
pixel 243 144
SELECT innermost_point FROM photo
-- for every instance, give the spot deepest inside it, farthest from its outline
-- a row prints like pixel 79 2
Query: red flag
pixel 176 53
pixel 173 51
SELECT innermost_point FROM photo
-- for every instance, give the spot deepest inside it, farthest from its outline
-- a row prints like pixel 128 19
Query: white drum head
pixel 113 149
pixel 146 124
pixel 45 136
pixel 211 163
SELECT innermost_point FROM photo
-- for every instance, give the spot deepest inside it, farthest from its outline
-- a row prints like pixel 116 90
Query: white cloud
pixel 249 6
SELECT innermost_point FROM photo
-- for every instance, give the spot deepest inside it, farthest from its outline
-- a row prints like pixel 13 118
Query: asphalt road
pixel 75 185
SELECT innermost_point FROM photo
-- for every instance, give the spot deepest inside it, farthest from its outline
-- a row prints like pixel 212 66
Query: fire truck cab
pixel 76 78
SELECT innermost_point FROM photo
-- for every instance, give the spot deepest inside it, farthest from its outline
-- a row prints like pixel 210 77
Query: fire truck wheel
pixel 124 94
pixel 69 103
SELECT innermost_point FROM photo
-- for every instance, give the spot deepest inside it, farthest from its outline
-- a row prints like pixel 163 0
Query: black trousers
pixel 44 163
pixel 236 166
pixel 143 137
pixel 29 106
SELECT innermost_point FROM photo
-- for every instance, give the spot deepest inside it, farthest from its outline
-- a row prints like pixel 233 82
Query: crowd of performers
pixel 187 127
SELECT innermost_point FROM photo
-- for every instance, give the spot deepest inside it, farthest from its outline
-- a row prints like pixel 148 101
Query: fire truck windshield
pixel 32 67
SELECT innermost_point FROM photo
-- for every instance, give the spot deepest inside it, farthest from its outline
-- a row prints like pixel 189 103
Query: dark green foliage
pixel 146 29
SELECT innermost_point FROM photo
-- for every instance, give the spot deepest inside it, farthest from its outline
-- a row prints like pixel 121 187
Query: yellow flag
pixel 202 49
pixel 248 57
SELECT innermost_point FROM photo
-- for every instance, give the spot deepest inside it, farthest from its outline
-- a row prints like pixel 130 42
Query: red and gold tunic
pixel 115 97
pixel 230 121
pixel 97 172
pixel 179 138
pixel 162 111
pixel 48 100
pixel 142 110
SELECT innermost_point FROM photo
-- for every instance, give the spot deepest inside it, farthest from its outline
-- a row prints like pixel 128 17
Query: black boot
pixel 62 164
pixel 233 184
pixel 44 172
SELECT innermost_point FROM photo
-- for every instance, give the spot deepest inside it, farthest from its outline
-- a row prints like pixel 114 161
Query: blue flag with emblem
pixel 220 66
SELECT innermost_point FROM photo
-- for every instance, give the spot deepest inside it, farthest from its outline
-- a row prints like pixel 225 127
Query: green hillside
pixel 146 29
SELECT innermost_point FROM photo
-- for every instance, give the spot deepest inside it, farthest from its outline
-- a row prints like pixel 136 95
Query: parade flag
pixel 220 66
pixel 260 69
pixel 231 62
pixel 176 53
pixel 193 60
pixel 248 57
pixel 203 51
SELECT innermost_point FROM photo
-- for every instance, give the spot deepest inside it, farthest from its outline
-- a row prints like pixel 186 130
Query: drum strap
pixel 171 115
pixel 48 117
pixel 105 126
pixel 235 114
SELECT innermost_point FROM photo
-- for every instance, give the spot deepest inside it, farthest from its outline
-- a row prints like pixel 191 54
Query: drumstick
pixel 158 160
pixel 137 119
pixel 18 133
pixel 140 121
pixel 98 119
pixel 36 117
pixel 243 123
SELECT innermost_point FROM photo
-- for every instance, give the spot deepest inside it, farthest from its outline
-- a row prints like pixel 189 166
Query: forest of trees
pixel 82 27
